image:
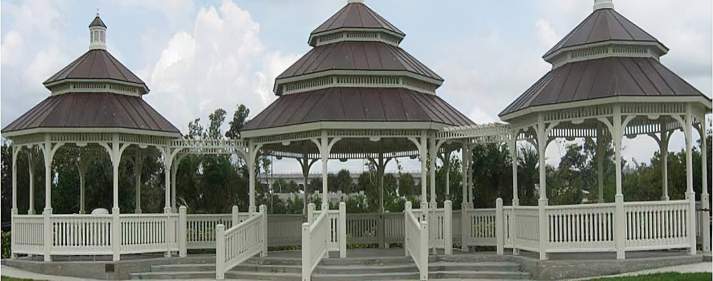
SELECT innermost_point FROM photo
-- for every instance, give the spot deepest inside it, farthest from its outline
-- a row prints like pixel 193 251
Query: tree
pixel 343 181
pixel 216 121
pixel 239 119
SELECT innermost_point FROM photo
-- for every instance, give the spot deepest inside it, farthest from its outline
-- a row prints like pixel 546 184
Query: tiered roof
pixel 94 93
pixel 357 72
pixel 605 56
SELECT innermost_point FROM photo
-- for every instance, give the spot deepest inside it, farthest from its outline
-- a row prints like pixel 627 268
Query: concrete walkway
pixel 19 273
pixel 686 268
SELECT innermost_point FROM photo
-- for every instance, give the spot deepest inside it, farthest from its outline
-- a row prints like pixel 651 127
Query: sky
pixel 197 56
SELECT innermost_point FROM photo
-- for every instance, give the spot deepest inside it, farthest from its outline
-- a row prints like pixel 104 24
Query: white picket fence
pixel 240 242
pixel 416 239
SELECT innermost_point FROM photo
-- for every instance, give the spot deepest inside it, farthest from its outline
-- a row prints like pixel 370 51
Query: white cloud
pixel 222 62
pixel 546 33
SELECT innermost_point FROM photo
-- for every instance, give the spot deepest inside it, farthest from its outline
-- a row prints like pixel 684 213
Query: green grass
pixel 671 276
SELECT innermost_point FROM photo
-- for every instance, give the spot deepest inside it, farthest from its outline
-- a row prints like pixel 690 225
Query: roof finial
pixel 603 4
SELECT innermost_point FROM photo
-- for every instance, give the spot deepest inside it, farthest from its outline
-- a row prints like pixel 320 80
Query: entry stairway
pixel 441 267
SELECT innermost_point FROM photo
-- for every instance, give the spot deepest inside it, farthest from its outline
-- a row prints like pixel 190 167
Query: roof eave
pixel 554 53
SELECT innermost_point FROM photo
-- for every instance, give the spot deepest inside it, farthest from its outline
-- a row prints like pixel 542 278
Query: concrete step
pixel 464 275
pixel 274 261
pixel 247 275
pixel 367 261
pixel 411 267
pixel 186 275
pixel 473 266
pixel 240 267
pixel 365 269
pixel 366 276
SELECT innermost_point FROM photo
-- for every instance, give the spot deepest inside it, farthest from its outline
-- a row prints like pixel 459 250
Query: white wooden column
pixel 13 211
pixel 600 151
pixel 48 151
pixel 31 172
pixel 82 170
pixel 542 202
pixel 251 161
pixel 619 215
pixel 515 194
pixel 138 166
pixel 464 221
pixel 115 152
pixel 15 151
pixel 705 197
pixel 432 150
pixel 690 194
pixel 447 168
pixel 324 144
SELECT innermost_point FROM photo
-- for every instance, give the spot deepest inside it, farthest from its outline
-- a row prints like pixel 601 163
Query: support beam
pixel 515 195
pixel 600 150
pixel 432 150
pixel 422 147
pixel 542 202
pixel 15 151
pixel 619 215
pixel 705 197
pixel 31 172
pixel 305 165
pixel 138 167
pixel 251 161
pixel 325 144
pixel 82 171
pixel 690 194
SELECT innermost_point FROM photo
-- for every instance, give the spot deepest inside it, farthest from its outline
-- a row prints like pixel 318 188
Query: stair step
pixel 478 275
pixel 367 261
pixel 363 269
pixel 248 275
pixel 274 261
pixel 367 276
pixel 187 275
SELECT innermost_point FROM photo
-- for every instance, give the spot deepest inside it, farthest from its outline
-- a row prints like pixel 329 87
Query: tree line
pixel 214 183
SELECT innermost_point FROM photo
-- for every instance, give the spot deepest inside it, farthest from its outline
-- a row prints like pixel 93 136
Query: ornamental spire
pixel 603 4
pixel 97 34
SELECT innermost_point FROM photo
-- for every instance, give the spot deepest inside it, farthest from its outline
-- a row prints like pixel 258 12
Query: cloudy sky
pixel 197 56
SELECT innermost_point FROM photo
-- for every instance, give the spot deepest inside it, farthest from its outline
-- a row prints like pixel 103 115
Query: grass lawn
pixel 671 276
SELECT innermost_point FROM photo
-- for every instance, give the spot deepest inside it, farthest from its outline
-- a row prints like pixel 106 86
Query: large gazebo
pixel 358 95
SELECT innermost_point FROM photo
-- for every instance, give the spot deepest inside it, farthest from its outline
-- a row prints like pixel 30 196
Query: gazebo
pixel 607 82
pixel 95 100
pixel 358 95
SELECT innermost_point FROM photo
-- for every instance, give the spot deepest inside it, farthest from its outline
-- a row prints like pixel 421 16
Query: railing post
pixel 182 232
pixel 46 216
pixel 170 231
pixel 13 214
pixel 543 227
pixel 234 218
pixel 263 213
pixel 620 226
pixel 407 211
pixel 499 229
pixel 342 230
pixel 424 249
pixel 306 248
pixel 310 213
pixel 464 227
pixel 115 234
pixel 513 227
pixel 448 227
pixel 220 251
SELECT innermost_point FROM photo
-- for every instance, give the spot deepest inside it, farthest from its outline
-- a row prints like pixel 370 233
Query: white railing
pixel 527 230
pixel 581 228
pixel 337 239
pixel 141 233
pixel 81 234
pixel 364 228
pixel 416 240
pixel 200 228
pixel 240 242
pixel 315 242
pixel 27 234
pixel 657 225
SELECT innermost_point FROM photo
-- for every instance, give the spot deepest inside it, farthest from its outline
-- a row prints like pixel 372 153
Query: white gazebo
pixel 358 95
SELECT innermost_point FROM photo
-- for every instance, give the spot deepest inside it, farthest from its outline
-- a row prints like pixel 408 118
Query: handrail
pixel 416 239
pixel 315 238
pixel 240 242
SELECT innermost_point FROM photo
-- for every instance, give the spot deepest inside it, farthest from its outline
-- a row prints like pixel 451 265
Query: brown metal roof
pixel 603 25
pixel 602 78
pixel 357 56
pixel 96 64
pixel 356 15
pixel 92 110
pixel 357 105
